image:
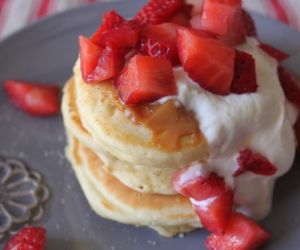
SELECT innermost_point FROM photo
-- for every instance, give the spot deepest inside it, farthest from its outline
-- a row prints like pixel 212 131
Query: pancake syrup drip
pixel 171 125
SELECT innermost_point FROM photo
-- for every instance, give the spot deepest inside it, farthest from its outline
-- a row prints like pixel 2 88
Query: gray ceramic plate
pixel 46 52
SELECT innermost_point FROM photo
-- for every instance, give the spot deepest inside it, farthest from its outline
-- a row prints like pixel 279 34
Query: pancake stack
pixel 125 158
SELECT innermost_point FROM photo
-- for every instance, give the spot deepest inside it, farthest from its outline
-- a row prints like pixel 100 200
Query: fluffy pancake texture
pixel 138 177
pixel 167 214
pixel 115 132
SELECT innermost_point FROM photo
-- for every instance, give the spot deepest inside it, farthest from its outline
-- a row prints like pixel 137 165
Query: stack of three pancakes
pixel 125 157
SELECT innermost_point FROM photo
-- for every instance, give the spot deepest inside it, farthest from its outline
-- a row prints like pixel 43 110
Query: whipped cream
pixel 262 121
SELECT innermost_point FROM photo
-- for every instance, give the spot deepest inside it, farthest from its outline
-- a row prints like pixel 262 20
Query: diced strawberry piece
pixel 145 79
pixel 158 11
pixel 244 78
pixel 207 61
pixel 33 98
pixel 160 41
pixel 217 15
pixel 183 16
pixel 214 212
pixel 249 24
pixel 110 20
pixel 290 85
pixel 254 162
pixel 241 233
pixel 192 182
pixel 97 63
pixel 33 238
pixel 108 66
pixel 124 36
pixel 273 52
pixel 241 27
pixel 89 55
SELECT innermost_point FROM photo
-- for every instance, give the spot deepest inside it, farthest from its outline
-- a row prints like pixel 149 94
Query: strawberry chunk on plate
pixel 33 98
pixel 160 41
pixel 254 162
pixel 290 85
pixel 158 11
pixel 145 79
pixel 182 17
pixel 98 63
pixel 190 182
pixel 244 78
pixel 217 16
pixel 279 55
pixel 241 233
pixel 214 212
pixel 33 238
pixel 208 62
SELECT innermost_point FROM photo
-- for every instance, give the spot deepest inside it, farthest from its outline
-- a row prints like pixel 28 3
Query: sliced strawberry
pixel 29 238
pixel 290 85
pixel 192 182
pixel 241 27
pixel 249 24
pixel 110 20
pixel 244 78
pixel 97 63
pixel 276 53
pixel 254 162
pixel 214 212
pixel 89 55
pixel 241 233
pixel 158 11
pixel 108 66
pixel 124 36
pixel 207 61
pixel 33 98
pixel 160 41
pixel 182 17
pixel 217 16
pixel 145 79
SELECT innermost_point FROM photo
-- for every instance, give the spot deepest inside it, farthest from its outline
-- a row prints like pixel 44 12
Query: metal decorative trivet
pixel 23 196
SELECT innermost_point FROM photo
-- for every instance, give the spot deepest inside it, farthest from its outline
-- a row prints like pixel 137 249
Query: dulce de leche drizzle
pixel 171 125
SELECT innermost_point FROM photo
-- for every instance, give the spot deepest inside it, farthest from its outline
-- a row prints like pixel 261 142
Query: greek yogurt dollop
pixel 262 121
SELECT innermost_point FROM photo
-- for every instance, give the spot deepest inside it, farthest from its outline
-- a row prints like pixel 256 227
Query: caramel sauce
pixel 171 125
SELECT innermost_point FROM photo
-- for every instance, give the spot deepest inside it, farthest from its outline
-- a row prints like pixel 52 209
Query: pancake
pixel 109 198
pixel 140 178
pixel 113 129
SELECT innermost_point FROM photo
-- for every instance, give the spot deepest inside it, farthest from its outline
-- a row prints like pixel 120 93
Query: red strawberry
pixel 290 85
pixel 158 11
pixel 98 64
pixel 254 162
pixel 29 238
pixel 89 55
pixel 110 20
pixel 241 27
pixel 126 35
pixel 160 41
pixel 244 78
pixel 241 233
pixel 214 212
pixel 207 61
pixel 276 53
pixel 145 79
pixel 192 182
pixel 249 24
pixel 33 98
pixel 183 16
pixel 217 16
